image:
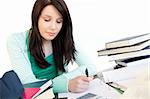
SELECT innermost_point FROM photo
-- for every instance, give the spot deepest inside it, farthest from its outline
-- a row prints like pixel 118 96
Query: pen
pixel 117 88
pixel 86 72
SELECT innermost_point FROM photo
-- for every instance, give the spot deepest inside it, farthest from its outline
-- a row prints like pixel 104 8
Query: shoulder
pixel 21 35
pixel 17 39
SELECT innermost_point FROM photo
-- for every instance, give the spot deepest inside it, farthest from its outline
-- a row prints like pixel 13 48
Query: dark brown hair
pixel 63 44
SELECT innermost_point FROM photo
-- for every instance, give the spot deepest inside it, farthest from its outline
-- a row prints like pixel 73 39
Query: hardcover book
pixel 45 92
pixel 30 92
pixel 123 63
pixel 128 55
pixel 132 48
pixel 128 41
pixel 39 90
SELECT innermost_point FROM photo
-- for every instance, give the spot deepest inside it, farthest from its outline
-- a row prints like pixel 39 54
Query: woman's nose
pixel 53 25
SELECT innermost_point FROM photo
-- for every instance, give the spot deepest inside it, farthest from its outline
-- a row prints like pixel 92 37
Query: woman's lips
pixel 51 34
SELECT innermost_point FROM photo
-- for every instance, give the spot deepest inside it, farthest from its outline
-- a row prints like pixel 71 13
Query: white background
pixel 95 22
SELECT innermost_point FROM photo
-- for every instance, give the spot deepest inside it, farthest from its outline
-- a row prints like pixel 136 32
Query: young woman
pixel 44 51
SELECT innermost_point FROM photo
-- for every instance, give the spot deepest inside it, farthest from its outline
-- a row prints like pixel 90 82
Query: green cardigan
pixel 17 50
pixel 47 73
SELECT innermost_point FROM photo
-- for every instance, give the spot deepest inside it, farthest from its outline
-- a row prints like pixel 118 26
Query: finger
pixel 90 78
pixel 84 86
pixel 87 79
pixel 81 89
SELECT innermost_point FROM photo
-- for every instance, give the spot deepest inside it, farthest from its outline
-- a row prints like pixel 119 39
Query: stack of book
pixel 131 55
pixel 127 49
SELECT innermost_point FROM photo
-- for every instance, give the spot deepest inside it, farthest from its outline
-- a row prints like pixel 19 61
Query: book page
pixel 48 94
pixel 124 73
pixel 43 88
pixel 96 87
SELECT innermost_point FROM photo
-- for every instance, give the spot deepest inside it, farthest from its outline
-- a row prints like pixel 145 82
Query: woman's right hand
pixel 79 84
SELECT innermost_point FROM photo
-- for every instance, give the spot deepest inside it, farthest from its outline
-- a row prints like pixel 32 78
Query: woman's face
pixel 50 22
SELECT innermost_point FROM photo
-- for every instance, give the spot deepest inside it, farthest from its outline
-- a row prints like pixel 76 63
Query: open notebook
pixel 98 88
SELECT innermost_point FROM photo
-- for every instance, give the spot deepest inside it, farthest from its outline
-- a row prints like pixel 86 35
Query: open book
pixel 97 90
pixel 129 72
pixel 45 91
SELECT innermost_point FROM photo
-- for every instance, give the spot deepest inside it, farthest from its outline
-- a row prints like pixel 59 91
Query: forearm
pixel 60 84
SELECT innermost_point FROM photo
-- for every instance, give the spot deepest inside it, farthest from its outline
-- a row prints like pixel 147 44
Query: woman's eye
pixel 46 20
pixel 59 21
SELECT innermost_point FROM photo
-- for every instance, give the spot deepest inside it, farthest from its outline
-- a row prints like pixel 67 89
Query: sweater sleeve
pixel 60 83
pixel 17 51
pixel 83 61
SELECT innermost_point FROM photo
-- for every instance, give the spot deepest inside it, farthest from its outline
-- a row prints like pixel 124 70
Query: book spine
pixel 130 55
